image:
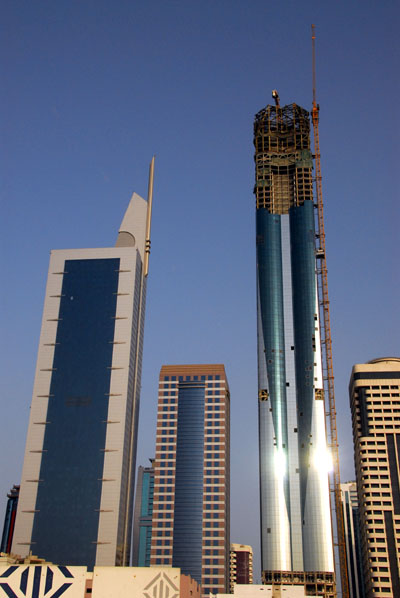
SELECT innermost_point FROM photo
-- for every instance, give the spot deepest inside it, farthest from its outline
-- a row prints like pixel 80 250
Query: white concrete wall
pixel 138 582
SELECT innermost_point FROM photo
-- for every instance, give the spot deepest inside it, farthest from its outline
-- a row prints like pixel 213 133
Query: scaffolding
pixel 315 583
pixel 283 158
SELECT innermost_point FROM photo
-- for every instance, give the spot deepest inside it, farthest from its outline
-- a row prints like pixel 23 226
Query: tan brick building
pixel 375 407
pixel 191 475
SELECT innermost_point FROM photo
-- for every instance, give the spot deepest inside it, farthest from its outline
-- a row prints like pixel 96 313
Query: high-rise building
pixel 143 517
pixel 191 474
pixel 241 565
pixel 76 497
pixel 375 409
pixel 9 519
pixel 351 518
pixel 296 527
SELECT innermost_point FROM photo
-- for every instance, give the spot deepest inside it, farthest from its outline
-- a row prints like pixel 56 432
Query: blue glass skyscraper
pixel 76 499
pixel 143 517
pixel 296 529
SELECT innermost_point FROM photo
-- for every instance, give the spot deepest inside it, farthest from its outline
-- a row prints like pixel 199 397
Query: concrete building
pixel 76 497
pixel 9 520
pixel 267 591
pixel 41 579
pixel 191 474
pixel 143 517
pixel 351 518
pixel 375 409
pixel 296 527
pixel 241 565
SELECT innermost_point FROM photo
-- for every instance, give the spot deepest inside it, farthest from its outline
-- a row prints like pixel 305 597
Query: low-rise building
pixel 266 591
pixel 77 582
pixel 241 565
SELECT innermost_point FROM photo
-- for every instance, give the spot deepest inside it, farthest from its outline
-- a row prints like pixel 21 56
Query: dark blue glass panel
pixel 394 476
pixel 269 272
pixel 375 375
pixel 65 528
pixel 271 294
pixel 302 236
pixel 363 404
pixel 188 513
pixel 392 553
pixel 9 521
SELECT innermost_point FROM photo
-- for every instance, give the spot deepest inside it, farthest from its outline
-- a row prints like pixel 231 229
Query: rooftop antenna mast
pixel 326 340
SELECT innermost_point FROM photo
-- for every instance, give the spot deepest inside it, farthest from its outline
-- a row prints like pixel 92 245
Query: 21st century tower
pixel 296 529
pixel 75 504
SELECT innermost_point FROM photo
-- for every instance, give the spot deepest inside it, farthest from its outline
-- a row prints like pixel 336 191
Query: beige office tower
pixel 375 408
pixel 191 475
pixel 241 565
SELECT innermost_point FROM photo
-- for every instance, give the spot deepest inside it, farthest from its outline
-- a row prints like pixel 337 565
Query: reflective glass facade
pixel 188 506
pixel 75 504
pixel 294 462
pixel 143 517
pixel 68 498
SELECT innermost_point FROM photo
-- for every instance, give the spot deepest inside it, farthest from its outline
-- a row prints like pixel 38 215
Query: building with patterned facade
pixel 296 526
pixel 45 579
pixel 143 517
pixel 191 474
pixel 351 518
pixel 76 497
pixel 241 565
pixel 375 408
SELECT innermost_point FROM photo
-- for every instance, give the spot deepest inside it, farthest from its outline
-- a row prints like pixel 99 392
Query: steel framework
pixel 326 341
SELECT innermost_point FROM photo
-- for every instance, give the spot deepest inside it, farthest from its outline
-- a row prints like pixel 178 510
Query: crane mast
pixel 326 340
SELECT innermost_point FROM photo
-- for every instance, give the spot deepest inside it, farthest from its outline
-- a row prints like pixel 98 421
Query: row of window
pixel 214 439
pixel 214 400
pixel 372 399
pixel 208 581
pixel 191 378
pixel 162 464
pixel 166 404
pixel 371 450
pixel 391 387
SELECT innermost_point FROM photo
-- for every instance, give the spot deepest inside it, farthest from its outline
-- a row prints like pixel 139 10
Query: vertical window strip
pixel 391 545
pixel 394 476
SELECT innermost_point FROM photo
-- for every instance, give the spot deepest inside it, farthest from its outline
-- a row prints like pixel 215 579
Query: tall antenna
pixel 326 340
pixel 148 221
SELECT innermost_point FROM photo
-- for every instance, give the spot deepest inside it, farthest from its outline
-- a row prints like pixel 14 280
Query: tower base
pixel 315 583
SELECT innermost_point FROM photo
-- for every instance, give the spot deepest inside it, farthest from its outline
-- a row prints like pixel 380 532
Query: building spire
pixel 148 221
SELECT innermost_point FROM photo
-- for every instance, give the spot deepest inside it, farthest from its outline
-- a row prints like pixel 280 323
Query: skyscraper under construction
pixel 296 527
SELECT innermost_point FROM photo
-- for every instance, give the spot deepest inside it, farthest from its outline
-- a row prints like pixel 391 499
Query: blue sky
pixel 92 89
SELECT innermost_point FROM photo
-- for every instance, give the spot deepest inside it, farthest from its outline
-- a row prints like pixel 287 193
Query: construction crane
pixel 326 340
